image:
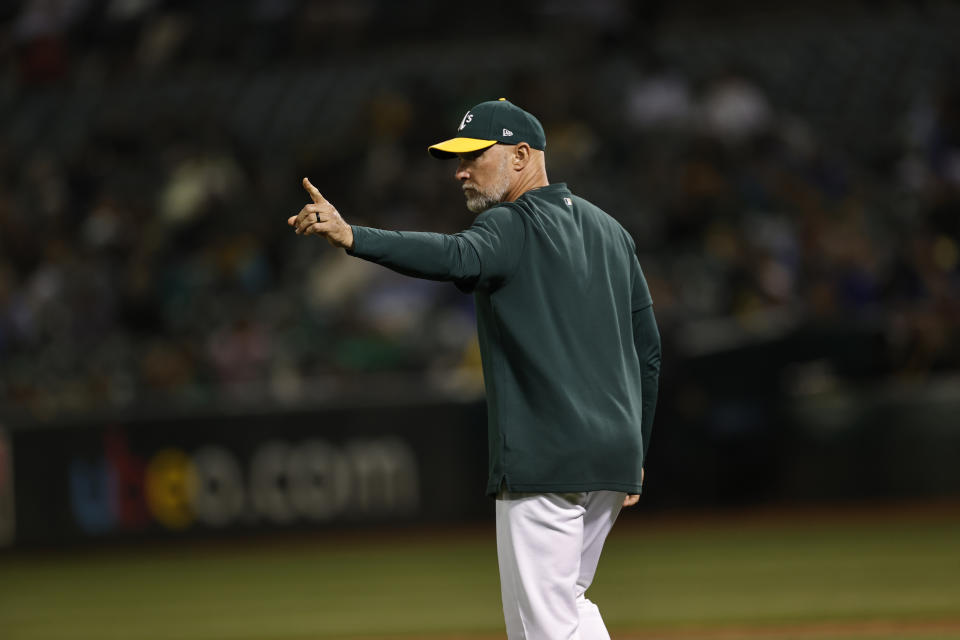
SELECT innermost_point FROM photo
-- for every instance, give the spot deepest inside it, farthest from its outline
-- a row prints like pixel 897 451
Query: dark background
pixel 791 176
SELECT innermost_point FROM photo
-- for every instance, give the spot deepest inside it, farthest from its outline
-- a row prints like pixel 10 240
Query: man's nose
pixel 462 174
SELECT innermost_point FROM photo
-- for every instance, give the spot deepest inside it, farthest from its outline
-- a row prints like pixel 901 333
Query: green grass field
pixel 890 575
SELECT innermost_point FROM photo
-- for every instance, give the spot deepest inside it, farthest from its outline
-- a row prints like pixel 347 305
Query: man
pixel 570 351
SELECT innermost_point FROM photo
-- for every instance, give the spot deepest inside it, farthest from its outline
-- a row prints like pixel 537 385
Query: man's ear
pixel 521 156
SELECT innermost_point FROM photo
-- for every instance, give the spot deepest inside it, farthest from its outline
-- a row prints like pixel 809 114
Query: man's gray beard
pixel 480 201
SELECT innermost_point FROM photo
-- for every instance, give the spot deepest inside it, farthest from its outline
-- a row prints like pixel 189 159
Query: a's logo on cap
pixel 507 132
pixel 467 117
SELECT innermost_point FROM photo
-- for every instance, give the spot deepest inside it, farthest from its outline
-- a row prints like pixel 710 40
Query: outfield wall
pixel 744 443
pixel 107 480
pixel 7 504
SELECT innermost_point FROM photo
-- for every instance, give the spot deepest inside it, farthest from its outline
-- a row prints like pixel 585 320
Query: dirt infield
pixel 860 629
pixel 871 572
pixel 880 629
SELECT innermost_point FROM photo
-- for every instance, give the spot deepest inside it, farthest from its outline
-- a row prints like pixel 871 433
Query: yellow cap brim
pixel 450 148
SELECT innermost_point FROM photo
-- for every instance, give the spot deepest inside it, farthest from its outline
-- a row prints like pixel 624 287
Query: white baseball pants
pixel 548 547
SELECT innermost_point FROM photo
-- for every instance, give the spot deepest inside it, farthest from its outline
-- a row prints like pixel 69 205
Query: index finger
pixel 314 193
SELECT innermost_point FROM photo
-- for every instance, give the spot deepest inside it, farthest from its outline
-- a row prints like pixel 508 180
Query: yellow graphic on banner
pixel 171 488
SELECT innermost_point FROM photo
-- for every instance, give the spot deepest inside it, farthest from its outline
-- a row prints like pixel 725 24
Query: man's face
pixel 485 176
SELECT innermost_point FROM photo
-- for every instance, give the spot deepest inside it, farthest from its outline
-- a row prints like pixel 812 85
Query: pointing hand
pixel 321 218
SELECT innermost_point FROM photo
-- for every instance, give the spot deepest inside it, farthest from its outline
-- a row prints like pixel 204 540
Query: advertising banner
pixel 199 476
pixel 7 509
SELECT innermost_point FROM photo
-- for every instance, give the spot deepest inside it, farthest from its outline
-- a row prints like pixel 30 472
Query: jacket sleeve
pixel 481 257
pixel 646 341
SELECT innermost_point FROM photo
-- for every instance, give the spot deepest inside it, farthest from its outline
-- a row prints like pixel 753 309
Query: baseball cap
pixel 489 123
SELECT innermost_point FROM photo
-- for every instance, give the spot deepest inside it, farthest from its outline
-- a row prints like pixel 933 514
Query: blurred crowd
pixel 145 260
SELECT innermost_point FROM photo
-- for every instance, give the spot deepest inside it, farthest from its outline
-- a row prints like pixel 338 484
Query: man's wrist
pixel 351 245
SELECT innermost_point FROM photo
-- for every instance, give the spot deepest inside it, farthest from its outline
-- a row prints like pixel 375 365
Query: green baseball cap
pixel 489 123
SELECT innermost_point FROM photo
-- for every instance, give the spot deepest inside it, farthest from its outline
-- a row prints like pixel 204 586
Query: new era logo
pixel 507 132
